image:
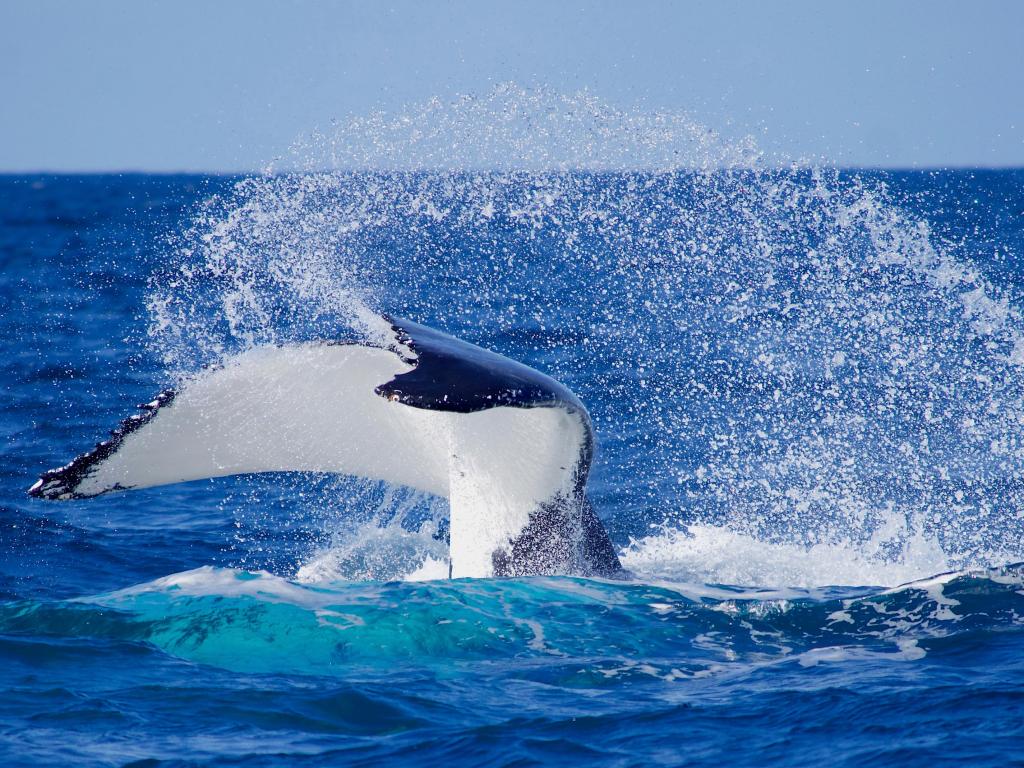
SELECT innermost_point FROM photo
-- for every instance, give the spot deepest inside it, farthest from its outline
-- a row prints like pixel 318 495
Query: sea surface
pixel 808 392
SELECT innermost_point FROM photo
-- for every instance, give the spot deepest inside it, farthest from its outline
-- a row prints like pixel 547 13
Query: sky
pixel 92 85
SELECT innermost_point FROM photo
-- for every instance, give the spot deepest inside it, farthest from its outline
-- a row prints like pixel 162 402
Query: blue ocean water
pixel 808 396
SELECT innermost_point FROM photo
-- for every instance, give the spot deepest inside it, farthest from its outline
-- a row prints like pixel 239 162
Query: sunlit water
pixel 807 390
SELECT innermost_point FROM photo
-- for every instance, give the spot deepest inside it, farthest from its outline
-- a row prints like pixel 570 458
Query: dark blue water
pixel 807 390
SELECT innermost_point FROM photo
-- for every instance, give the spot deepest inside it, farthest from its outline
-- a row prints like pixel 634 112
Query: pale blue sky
pixel 230 84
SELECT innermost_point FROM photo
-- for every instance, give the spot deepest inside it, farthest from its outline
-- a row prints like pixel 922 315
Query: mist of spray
pixel 781 354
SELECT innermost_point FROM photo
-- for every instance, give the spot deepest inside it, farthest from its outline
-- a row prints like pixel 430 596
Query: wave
pixel 589 630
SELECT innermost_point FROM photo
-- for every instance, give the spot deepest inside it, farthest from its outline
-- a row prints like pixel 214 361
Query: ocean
pixel 807 387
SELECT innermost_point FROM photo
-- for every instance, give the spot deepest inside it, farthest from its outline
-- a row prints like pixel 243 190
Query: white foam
pixel 906 650
pixel 208 581
pixel 376 553
pixel 718 555
pixel 430 570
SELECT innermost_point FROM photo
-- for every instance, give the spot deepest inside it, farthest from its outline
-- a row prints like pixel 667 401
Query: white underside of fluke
pixel 312 407
pixel 505 463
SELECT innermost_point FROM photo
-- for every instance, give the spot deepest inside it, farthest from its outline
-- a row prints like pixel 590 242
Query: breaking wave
pixel 583 630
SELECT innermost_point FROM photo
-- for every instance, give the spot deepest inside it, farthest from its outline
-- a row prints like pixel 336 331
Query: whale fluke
pixel 508 446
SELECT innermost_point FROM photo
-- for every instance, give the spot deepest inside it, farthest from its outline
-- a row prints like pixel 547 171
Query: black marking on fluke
pixel 453 375
pixel 563 536
pixel 63 482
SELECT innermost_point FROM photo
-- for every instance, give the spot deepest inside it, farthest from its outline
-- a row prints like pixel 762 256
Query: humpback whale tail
pixel 508 446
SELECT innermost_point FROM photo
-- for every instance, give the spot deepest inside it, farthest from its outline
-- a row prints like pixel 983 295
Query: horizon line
pixel 443 169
